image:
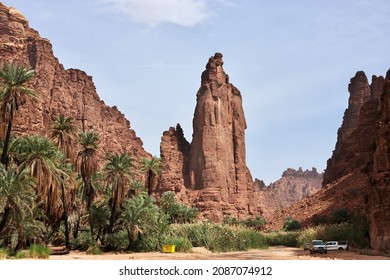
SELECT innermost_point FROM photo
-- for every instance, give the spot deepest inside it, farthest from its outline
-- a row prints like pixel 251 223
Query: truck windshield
pixel 318 243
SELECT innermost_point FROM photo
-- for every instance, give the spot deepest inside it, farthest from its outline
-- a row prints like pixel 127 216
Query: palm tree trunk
pixel 150 183
pixel 89 197
pixel 65 218
pixel 4 154
pixel 130 236
pixel 4 221
pixel 113 211
pixel 112 218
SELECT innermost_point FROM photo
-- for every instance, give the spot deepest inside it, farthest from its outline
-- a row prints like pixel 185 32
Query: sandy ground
pixel 272 253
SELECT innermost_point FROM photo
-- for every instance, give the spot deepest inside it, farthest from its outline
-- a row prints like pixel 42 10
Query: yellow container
pixel 168 248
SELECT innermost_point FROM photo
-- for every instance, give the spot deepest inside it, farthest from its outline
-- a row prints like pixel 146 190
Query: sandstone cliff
pixel 357 174
pixel 294 185
pixel 379 194
pixel 211 172
pixel 70 92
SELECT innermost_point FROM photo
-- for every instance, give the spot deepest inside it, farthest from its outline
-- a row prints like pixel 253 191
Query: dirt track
pixel 272 253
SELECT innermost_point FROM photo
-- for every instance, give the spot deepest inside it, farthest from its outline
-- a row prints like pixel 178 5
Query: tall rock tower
pixel 214 173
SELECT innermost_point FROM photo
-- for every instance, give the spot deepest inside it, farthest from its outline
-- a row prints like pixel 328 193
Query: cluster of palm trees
pixel 54 183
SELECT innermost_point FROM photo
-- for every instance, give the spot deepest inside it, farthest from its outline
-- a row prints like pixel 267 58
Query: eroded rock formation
pixel 357 174
pixel 212 169
pixel 294 185
pixel 69 92
pixel 379 195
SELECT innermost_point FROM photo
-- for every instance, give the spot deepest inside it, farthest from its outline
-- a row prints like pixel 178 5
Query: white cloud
pixel 155 12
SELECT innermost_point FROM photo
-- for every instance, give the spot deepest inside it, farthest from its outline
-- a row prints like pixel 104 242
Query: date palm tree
pixel 63 133
pixel 140 214
pixel 118 175
pixel 43 161
pixel 87 166
pixel 13 94
pixel 152 168
pixel 17 197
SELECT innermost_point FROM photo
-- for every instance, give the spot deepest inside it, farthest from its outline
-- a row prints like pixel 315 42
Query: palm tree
pixel 87 165
pixel 152 167
pixel 86 162
pixel 12 95
pixel 136 187
pixel 139 215
pixel 118 174
pixel 43 161
pixel 63 133
pixel 17 197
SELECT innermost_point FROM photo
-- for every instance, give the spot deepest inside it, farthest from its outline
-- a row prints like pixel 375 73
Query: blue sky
pixel 291 60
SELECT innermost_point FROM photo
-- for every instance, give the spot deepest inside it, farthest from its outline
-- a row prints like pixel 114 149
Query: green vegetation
pixel 291 224
pixel 55 189
pixel 39 251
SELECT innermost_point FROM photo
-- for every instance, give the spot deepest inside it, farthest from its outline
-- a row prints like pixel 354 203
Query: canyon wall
pixel 361 155
pixel 70 92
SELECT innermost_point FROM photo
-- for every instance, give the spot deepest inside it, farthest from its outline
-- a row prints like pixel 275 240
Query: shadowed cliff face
pixel 215 171
pixel 362 156
pixel 379 195
pixel 69 92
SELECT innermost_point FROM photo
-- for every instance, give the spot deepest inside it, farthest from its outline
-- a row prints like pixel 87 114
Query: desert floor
pixel 272 253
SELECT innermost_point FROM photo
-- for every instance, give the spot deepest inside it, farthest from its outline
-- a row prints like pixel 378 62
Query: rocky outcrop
pixel 70 92
pixel 294 185
pixel 213 168
pixel 344 159
pixel 379 195
pixel 357 174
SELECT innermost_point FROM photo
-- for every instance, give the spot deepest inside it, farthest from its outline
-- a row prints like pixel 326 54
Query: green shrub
pixel 219 238
pixel 227 220
pixel 20 255
pixel 182 244
pixel 116 241
pixel 283 238
pixel 39 251
pixel 4 253
pixel 320 220
pixel 150 243
pixel 83 241
pixel 356 235
pixel 94 250
pixel 257 223
pixel 341 215
pixel 291 224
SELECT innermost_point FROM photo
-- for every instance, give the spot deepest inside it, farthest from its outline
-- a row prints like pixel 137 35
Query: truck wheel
pixel 340 249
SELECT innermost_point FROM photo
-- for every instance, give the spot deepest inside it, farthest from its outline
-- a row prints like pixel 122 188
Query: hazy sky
pixel 291 60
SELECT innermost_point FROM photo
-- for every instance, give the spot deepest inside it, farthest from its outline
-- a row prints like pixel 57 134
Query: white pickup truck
pixel 336 245
pixel 317 246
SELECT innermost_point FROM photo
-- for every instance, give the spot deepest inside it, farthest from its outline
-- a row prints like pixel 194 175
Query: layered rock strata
pixel 69 92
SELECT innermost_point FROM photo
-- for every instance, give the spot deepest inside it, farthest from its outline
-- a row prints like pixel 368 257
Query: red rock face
pixel 344 160
pixel 379 196
pixel 70 92
pixel 213 168
pixel 293 186
pixel 361 154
